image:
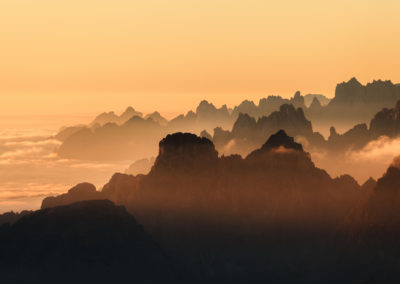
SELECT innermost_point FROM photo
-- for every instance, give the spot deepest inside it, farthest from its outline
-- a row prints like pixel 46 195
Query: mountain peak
pixel 281 139
pixel 129 113
pixel 205 106
pixel 315 104
pixel 354 80
pixel 369 184
pixel 185 151
pixel 83 187
pixel 129 109
pixel 81 191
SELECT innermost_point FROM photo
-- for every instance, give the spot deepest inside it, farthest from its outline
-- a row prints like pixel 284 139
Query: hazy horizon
pixel 74 57
pixel 87 108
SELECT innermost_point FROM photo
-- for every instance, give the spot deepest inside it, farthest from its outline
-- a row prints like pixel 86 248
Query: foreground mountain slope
pixel 84 242
pixel 279 180
pixel 270 217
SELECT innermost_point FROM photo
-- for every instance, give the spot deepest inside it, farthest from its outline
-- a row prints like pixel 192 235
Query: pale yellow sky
pixel 84 56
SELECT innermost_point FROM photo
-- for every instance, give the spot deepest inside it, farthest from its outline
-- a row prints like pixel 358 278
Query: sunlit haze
pixel 80 57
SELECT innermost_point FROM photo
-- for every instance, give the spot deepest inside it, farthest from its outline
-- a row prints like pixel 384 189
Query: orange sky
pixel 80 56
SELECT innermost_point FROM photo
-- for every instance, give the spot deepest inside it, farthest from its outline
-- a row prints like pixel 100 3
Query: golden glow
pixel 75 56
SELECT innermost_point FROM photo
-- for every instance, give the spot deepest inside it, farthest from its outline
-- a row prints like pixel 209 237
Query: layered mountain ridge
pixel 274 208
pixel 131 135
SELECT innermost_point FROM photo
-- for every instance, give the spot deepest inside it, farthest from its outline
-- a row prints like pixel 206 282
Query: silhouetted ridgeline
pixel 188 173
pixel 354 103
pixel 84 242
pixel 82 191
pixel 142 166
pixel 11 217
pixel 310 98
pixel 270 217
pixel 131 135
pixel 247 132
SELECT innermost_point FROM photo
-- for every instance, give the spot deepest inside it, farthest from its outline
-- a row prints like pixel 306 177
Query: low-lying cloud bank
pixel 370 161
pixel 30 169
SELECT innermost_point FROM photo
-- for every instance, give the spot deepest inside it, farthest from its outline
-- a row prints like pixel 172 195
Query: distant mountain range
pixel 131 136
pixel 247 132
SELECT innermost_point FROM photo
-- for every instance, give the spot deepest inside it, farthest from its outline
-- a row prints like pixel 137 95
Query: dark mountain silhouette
pixel 82 191
pixel 185 151
pixel 121 188
pixel 84 242
pixel 373 230
pixel 272 209
pixel 369 185
pixel 277 141
pixel 189 174
pixel 11 217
